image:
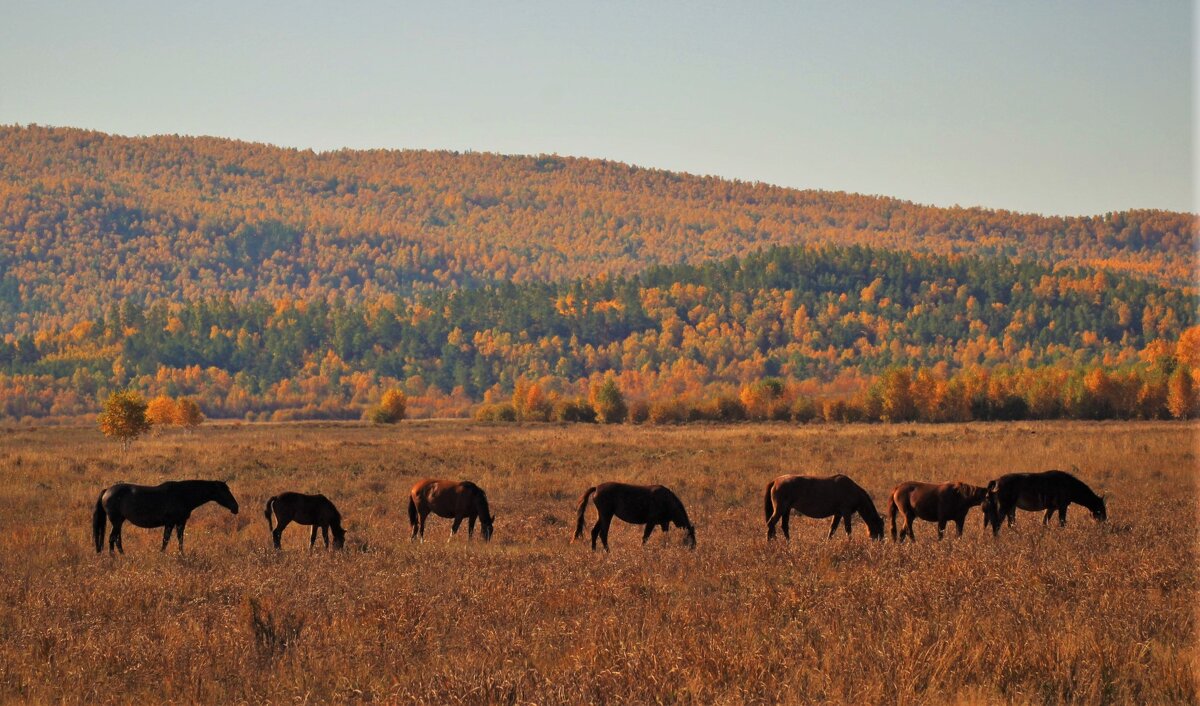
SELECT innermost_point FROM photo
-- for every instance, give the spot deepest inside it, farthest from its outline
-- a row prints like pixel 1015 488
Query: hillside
pixel 87 219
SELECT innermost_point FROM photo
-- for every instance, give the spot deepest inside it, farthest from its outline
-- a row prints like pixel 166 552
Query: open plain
pixel 1091 613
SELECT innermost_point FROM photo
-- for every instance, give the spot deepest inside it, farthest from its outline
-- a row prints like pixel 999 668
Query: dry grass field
pixel 1090 613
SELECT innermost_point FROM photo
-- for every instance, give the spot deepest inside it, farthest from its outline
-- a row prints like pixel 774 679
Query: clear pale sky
pixel 1054 107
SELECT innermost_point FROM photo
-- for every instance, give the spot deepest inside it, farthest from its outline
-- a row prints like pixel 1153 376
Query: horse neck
pixel 866 508
pixel 481 505
pixel 680 516
pixel 203 491
pixel 1084 495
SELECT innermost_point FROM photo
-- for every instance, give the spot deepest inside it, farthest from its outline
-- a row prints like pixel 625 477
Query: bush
pixel 391 408
pixel 500 412
pixel 577 410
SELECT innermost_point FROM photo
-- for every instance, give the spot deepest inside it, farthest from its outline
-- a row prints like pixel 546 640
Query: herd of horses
pixel 170 504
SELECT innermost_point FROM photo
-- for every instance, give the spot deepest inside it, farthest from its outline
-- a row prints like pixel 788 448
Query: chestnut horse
pixel 933 502
pixel 315 510
pixel 450 499
pixel 819 497
pixel 651 505
pixel 168 505
pixel 1052 491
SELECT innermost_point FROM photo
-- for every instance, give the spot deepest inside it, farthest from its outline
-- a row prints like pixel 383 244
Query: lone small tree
pixel 124 417
pixel 391 408
pixel 188 414
pixel 609 403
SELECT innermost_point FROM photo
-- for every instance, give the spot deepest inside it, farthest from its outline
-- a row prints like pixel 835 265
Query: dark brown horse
pixel 451 499
pixel 315 510
pixel 933 502
pixel 651 505
pixel 168 505
pixel 1051 491
pixel 835 496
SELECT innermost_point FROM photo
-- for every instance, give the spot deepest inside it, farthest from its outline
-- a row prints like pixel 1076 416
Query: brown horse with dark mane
pixel 168 505
pixel 315 510
pixel 933 502
pixel 1052 491
pixel 651 505
pixel 835 496
pixel 457 500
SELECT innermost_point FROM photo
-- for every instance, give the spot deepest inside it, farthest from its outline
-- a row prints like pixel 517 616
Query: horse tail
pixel 892 513
pixel 98 519
pixel 267 512
pixel 412 511
pixel 583 501
pixel 768 504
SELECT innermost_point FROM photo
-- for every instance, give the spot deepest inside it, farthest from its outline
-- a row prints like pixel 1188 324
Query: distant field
pixel 1091 613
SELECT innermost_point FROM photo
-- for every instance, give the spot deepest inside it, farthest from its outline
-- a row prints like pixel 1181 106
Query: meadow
pixel 1091 613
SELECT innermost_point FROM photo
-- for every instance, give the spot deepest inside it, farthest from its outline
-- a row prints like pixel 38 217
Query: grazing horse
pixel 836 496
pixel 450 499
pixel 1052 491
pixel 167 505
pixel 933 502
pixel 315 510
pixel 651 505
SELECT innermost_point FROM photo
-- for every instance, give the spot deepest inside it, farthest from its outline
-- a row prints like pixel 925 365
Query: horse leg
pixel 312 540
pixel 771 522
pixel 166 536
pixel 114 537
pixel 1049 514
pixel 941 528
pixel 421 517
pixel 470 528
pixel 785 518
pixel 454 528
pixel 179 534
pixel 846 522
pixel 604 532
pixel 646 534
pixel 596 529
pixel 325 535
pixel 1062 515
pixel 959 521
pixel 277 533
pixel 833 528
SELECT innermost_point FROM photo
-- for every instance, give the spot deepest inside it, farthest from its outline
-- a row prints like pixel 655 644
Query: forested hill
pixel 87 219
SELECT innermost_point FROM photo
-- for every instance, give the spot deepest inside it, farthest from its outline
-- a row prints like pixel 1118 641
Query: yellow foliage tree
pixel 124 417
pixel 1181 394
pixel 391 407
pixel 188 414
pixel 161 411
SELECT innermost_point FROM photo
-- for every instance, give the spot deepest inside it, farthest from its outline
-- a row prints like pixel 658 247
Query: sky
pixel 1054 107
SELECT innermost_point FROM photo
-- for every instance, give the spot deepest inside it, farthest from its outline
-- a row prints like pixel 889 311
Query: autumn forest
pixel 269 283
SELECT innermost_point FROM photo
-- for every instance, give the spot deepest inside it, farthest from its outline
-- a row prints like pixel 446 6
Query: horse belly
pixel 634 515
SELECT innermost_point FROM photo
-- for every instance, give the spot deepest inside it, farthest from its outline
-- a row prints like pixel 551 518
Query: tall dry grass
pixel 1091 613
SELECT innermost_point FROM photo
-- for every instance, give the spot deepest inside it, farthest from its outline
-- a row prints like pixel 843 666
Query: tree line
pixel 829 322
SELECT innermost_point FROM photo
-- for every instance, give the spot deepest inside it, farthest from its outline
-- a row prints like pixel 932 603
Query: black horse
pixel 315 510
pixel 652 505
pixel 168 506
pixel 1052 491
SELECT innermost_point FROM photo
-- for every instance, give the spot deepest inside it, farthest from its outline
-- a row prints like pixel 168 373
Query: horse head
pixel 339 536
pixel 689 539
pixel 224 497
pixel 1100 511
pixel 486 526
